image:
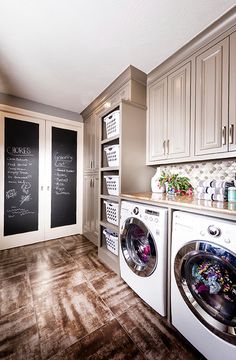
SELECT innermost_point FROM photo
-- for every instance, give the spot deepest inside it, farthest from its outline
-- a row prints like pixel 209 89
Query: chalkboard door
pixel 63 159
pixel 22 163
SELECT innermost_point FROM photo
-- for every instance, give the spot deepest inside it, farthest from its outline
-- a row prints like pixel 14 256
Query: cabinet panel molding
pixel 212 99
pixel 232 94
pixel 178 133
pixel 157 121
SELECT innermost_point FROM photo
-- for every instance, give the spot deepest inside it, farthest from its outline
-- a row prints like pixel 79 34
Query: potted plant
pixel 176 184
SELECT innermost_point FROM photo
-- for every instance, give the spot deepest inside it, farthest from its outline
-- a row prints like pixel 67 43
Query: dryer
pixel 203 283
pixel 143 252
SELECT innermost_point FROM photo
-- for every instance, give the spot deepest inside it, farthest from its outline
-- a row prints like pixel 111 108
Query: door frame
pixel 28 115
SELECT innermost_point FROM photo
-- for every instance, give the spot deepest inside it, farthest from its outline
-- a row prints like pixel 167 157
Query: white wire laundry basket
pixel 112 212
pixel 112 122
pixel 111 241
pixel 112 153
pixel 112 183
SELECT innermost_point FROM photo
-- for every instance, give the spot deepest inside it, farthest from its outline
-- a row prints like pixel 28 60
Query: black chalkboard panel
pixel 21 176
pixel 64 178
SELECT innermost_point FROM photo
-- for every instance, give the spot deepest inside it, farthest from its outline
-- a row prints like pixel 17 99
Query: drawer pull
pixel 231 133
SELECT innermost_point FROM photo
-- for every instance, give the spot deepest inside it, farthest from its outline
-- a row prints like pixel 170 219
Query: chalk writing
pixel 21 176
pixel 11 193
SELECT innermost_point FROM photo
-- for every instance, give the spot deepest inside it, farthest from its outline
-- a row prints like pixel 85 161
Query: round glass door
pixel 138 247
pixel 206 277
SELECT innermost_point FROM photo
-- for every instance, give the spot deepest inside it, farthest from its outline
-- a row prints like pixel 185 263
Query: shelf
pixel 106 141
pixel 109 226
pixel 110 197
pixel 111 168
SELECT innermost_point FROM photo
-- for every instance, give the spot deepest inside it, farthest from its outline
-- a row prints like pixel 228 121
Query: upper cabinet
pixel 91 144
pixel 232 94
pixel 157 120
pixel 211 134
pixel 191 99
pixel 169 117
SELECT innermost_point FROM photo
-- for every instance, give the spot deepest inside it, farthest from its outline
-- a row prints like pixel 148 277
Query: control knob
pixel 214 231
pixel 136 210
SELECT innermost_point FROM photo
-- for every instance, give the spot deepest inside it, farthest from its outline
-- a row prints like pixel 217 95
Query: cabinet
pixel 169 117
pixel 211 135
pixel 41 168
pixel 91 144
pixel 90 222
pixel 232 94
pixel 133 174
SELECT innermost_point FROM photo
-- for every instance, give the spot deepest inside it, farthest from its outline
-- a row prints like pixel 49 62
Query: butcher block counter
pixel 224 210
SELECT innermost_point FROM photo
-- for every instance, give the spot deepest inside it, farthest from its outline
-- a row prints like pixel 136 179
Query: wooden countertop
pixel 185 202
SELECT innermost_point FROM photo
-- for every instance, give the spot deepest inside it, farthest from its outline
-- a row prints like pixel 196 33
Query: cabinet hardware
pixel 168 145
pixel 231 133
pixel 48 188
pixel 91 164
pixel 91 181
pixel 42 188
pixel 224 135
pixel 164 147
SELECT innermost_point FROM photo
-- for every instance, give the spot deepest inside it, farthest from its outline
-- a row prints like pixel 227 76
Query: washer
pixel 203 283
pixel 143 248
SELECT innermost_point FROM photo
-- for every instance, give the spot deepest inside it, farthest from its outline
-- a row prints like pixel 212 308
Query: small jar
pixel 232 194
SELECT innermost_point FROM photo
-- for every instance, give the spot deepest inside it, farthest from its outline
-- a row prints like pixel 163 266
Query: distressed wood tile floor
pixel 58 301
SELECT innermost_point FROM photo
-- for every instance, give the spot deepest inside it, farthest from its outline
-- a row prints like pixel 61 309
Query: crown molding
pixel 131 73
pixel 223 24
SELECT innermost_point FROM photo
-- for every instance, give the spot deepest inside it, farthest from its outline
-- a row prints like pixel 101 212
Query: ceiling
pixel 64 53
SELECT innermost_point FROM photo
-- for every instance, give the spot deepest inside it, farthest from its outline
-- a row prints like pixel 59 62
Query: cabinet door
pixel 88 204
pixel 157 121
pixel 21 180
pixel 95 223
pixel 96 137
pixel 178 128
pixel 232 94
pixel 88 143
pixel 212 100
pixel 63 188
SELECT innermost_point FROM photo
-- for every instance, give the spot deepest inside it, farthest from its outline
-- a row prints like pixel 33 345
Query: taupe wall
pixel 38 107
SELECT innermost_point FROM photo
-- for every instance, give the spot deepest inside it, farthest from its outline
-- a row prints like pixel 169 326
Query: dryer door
pixel 206 277
pixel 138 247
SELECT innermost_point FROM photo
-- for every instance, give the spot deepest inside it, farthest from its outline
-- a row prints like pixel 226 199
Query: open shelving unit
pixel 133 174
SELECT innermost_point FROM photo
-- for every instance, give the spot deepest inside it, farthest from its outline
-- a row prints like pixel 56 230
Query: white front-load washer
pixel 203 283
pixel 143 252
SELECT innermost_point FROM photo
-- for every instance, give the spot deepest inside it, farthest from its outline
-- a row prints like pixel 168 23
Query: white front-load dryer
pixel 203 283
pixel 143 252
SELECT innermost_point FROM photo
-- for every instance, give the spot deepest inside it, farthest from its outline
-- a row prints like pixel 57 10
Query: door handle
pixel 41 187
pixel 48 188
pixel 168 146
pixel 231 133
pixel 164 147
pixel 224 135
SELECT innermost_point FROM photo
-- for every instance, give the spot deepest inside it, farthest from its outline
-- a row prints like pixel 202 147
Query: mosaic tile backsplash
pixel 224 170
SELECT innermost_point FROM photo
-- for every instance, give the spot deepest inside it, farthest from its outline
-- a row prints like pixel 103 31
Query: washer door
pixel 206 277
pixel 138 247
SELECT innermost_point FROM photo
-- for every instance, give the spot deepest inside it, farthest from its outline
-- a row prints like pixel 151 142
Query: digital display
pixel 151 212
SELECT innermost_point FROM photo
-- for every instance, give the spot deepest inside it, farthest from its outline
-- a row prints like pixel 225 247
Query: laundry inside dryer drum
pixel 138 248
pixel 207 280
